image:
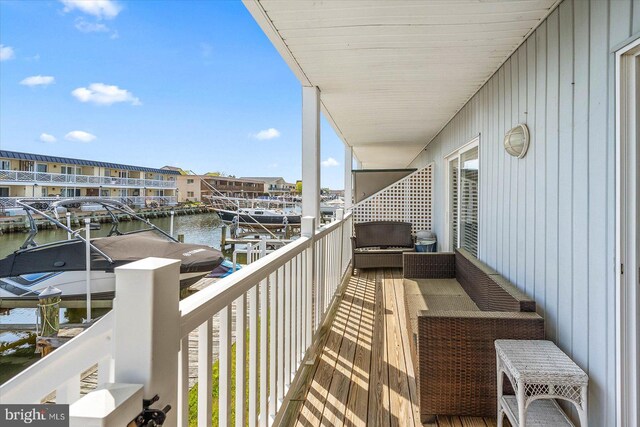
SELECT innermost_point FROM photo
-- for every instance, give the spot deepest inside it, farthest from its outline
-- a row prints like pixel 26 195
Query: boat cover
pixel 69 255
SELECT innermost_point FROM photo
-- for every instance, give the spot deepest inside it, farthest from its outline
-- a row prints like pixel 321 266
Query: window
pixel 462 203
pixel 70 192
pixel 190 194
pixel 41 168
pixel 468 216
pixel 189 181
pixel 5 165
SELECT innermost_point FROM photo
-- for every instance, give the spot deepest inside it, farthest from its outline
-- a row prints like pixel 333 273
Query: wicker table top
pixel 539 361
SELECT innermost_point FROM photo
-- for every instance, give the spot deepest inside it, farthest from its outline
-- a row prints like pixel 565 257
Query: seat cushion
pixel 433 287
pixel 433 294
pixel 382 250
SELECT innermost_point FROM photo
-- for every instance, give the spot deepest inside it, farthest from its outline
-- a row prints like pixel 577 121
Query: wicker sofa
pixel 456 308
pixel 379 244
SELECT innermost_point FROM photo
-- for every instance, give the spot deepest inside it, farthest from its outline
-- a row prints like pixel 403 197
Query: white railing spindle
pixel 224 384
pixel 205 363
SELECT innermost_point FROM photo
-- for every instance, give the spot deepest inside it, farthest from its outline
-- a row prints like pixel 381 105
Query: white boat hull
pixel 72 284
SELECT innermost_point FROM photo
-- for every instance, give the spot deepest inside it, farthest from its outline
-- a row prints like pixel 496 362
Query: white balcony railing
pixel 139 201
pixel 45 178
pixel 284 296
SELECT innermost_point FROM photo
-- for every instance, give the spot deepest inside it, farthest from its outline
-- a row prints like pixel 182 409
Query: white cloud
pixel 330 162
pixel 6 53
pixel 99 8
pixel 265 134
pixel 38 81
pixel 102 94
pixel 90 27
pixel 79 136
pixel 45 137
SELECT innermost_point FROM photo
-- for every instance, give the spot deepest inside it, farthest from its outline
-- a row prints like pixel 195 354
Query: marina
pixel 320 213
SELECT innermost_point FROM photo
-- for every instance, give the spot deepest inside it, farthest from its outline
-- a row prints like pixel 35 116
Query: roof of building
pixel 232 178
pixel 265 178
pixel 67 160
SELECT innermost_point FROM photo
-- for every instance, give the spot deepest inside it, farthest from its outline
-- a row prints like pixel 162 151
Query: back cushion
pixel 383 233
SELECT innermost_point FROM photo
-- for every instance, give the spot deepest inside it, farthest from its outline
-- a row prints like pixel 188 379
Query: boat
pixel 254 218
pixel 329 207
pixel 62 264
pixel 255 214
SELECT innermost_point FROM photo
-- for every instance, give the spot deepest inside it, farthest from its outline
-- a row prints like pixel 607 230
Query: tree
pixel 299 187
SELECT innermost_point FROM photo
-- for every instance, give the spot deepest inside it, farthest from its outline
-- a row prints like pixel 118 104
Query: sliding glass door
pixel 462 195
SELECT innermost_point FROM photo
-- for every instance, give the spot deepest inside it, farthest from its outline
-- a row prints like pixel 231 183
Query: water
pixel 17 348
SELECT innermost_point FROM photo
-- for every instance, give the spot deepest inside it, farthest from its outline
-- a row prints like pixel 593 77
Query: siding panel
pixel 598 254
pixel 565 179
pixel 539 151
pixel 547 221
pixel 580 250
pixel 553 75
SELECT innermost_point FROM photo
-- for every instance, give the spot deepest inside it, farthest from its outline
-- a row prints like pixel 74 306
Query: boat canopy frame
pixel 51 214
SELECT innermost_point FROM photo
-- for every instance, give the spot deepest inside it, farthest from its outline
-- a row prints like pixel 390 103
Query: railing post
pixel 87 222
pixel 308 230
pixel 146 329
pixel 340 217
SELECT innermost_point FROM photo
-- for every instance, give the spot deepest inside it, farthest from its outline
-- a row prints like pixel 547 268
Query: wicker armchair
pixel 380 244
pixel 456 308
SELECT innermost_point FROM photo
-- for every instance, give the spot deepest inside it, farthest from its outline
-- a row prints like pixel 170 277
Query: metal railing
pixel 280 299
pixel 45 178
pixel 139 201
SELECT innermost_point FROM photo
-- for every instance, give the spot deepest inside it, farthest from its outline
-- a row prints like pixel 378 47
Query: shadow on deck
pixel 363 374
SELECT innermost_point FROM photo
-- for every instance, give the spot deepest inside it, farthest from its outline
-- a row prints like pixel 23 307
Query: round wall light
pixel 516 141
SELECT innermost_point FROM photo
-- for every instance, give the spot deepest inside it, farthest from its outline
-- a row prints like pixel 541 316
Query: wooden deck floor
pixel 363 374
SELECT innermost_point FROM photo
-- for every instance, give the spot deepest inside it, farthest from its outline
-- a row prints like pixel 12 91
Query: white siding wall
pixel 547 221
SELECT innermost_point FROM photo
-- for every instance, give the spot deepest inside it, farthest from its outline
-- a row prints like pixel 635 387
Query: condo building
pixel 26 175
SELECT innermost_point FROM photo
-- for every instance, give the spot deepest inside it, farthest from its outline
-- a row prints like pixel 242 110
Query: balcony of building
pixel 12 177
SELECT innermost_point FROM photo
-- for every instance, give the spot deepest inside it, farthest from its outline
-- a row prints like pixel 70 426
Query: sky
pixel 193 84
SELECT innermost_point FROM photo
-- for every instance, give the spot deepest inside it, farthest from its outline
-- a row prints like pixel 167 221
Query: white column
pixel 310 151
pixel 358 164
pixel 348 182
pixel 146 324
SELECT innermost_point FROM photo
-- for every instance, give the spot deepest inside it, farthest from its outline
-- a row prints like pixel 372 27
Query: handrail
pixel 10 202
pixel 60 178
pixel 72 358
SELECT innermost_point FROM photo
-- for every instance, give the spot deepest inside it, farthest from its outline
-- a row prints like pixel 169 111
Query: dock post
pixel 68 215
pixel 87 222
pixel 223 237
pixel 49 314
pixel 181 238
pixel 172 213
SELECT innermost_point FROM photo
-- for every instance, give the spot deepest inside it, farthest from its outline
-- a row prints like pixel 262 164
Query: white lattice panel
pixel 407 200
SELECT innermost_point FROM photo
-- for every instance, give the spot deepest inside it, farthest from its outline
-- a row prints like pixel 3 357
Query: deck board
pixel 364 374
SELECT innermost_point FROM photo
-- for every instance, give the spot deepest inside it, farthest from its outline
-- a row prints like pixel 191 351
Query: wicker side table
pixel 539 373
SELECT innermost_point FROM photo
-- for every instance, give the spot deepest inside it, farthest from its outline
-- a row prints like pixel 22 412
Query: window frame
pixel 457 154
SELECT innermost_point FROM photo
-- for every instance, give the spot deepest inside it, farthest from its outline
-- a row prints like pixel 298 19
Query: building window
pixel 5 165
pixel 189 181
pixel 190 194
pixel 41 168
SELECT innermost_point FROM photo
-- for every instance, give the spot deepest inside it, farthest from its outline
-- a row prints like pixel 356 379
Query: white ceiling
pixel 392 73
